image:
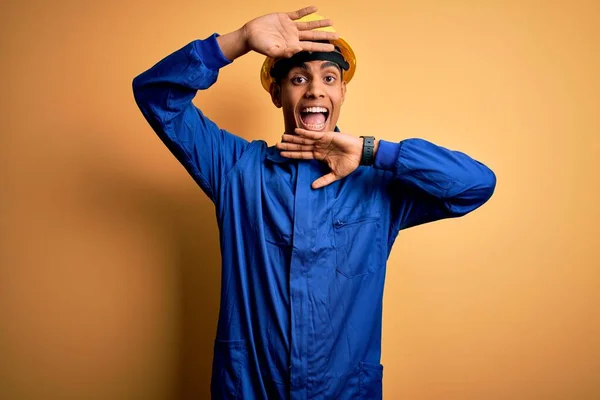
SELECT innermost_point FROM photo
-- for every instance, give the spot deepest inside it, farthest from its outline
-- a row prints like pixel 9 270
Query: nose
pixel 315 89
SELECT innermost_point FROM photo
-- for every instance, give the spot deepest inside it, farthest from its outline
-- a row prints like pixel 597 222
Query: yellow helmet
pixel 265 72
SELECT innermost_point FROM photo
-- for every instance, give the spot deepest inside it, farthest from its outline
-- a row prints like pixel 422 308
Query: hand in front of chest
pixel 340 151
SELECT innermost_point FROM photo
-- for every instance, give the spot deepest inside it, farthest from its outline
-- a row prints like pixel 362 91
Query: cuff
pixel 210 52
pixel 387 155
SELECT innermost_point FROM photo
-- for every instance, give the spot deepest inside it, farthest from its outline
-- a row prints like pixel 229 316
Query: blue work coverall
pixel 303 270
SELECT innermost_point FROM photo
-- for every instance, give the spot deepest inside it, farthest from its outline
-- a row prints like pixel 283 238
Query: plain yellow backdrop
pixel 109 257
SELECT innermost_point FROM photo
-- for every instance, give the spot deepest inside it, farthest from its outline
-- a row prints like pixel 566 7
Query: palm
pixel 274 35
pixel 278 35
pixel 336 150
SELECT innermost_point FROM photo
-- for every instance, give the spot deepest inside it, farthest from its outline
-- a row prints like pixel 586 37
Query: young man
pixel 306 226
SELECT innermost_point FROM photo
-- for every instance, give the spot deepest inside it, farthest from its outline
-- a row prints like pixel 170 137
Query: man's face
pixel 311 96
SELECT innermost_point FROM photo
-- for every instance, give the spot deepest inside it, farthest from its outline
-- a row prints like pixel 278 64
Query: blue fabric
pixel 303 270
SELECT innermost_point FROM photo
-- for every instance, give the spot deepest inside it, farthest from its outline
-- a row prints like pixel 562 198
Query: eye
pixel 330 79
pixel 298 80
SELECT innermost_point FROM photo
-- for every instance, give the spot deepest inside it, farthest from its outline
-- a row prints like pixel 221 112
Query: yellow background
pixel 109 268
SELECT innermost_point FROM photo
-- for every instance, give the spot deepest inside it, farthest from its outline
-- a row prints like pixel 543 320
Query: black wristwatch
pixel 368 156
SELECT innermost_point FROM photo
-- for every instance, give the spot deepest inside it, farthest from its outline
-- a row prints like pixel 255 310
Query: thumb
pixel 324 180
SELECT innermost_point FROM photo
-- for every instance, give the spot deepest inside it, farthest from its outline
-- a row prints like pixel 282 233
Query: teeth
pixel 314 127
pixel 314 110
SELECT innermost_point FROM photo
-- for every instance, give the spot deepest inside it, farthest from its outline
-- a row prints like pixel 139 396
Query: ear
pixel 275 91
pixel 343 92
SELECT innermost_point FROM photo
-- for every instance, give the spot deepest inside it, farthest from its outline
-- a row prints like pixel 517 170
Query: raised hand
pixel 341 152
pixel 278 35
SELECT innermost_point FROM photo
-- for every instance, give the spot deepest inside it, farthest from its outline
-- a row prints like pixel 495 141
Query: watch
pixel 368 157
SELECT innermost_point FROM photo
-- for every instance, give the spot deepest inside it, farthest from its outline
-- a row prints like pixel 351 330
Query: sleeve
pixel 164 95
pixel 431 182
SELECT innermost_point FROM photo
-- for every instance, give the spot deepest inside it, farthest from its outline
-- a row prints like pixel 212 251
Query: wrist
pixel 234 44
pixel 367 157
pixel 244 38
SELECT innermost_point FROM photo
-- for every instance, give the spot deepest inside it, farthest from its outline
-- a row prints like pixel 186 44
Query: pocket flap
pixel 350 215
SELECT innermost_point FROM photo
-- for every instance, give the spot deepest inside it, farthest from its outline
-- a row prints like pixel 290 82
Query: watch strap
pixel 368 156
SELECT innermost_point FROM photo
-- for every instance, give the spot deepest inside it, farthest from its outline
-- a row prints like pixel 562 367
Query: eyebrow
pixel 330 64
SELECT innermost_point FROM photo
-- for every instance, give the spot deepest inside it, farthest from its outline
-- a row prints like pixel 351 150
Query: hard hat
pixel 265 73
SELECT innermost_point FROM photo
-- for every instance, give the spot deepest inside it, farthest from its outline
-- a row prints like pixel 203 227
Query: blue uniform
pixel 303 270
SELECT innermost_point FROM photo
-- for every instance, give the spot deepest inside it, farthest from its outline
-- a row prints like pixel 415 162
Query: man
pixel 305 230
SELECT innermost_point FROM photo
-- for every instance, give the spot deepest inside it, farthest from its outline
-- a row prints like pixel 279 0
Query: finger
pixel 294 147
pixel 317 47
pixel 296 139
pixel 305 26
pixel 309 134
pixel 278 51
pixel 324 180
pixel 303 155
pixel 302 12
pixel 317 35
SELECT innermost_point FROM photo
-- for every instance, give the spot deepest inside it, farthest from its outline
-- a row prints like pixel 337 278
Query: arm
pixel 165 92
pixel 429 182
pixel 164 95
pixel 432 182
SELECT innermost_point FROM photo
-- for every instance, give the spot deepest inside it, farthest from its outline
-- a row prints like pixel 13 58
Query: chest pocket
pixel 358 240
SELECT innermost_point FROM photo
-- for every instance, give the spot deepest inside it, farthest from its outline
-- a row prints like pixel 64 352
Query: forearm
pixel 447 175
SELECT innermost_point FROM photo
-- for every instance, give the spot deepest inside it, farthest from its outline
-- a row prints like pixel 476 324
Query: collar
pixel 274 155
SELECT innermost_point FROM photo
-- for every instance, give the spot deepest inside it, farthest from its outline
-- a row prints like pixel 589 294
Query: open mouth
pixel 314 118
